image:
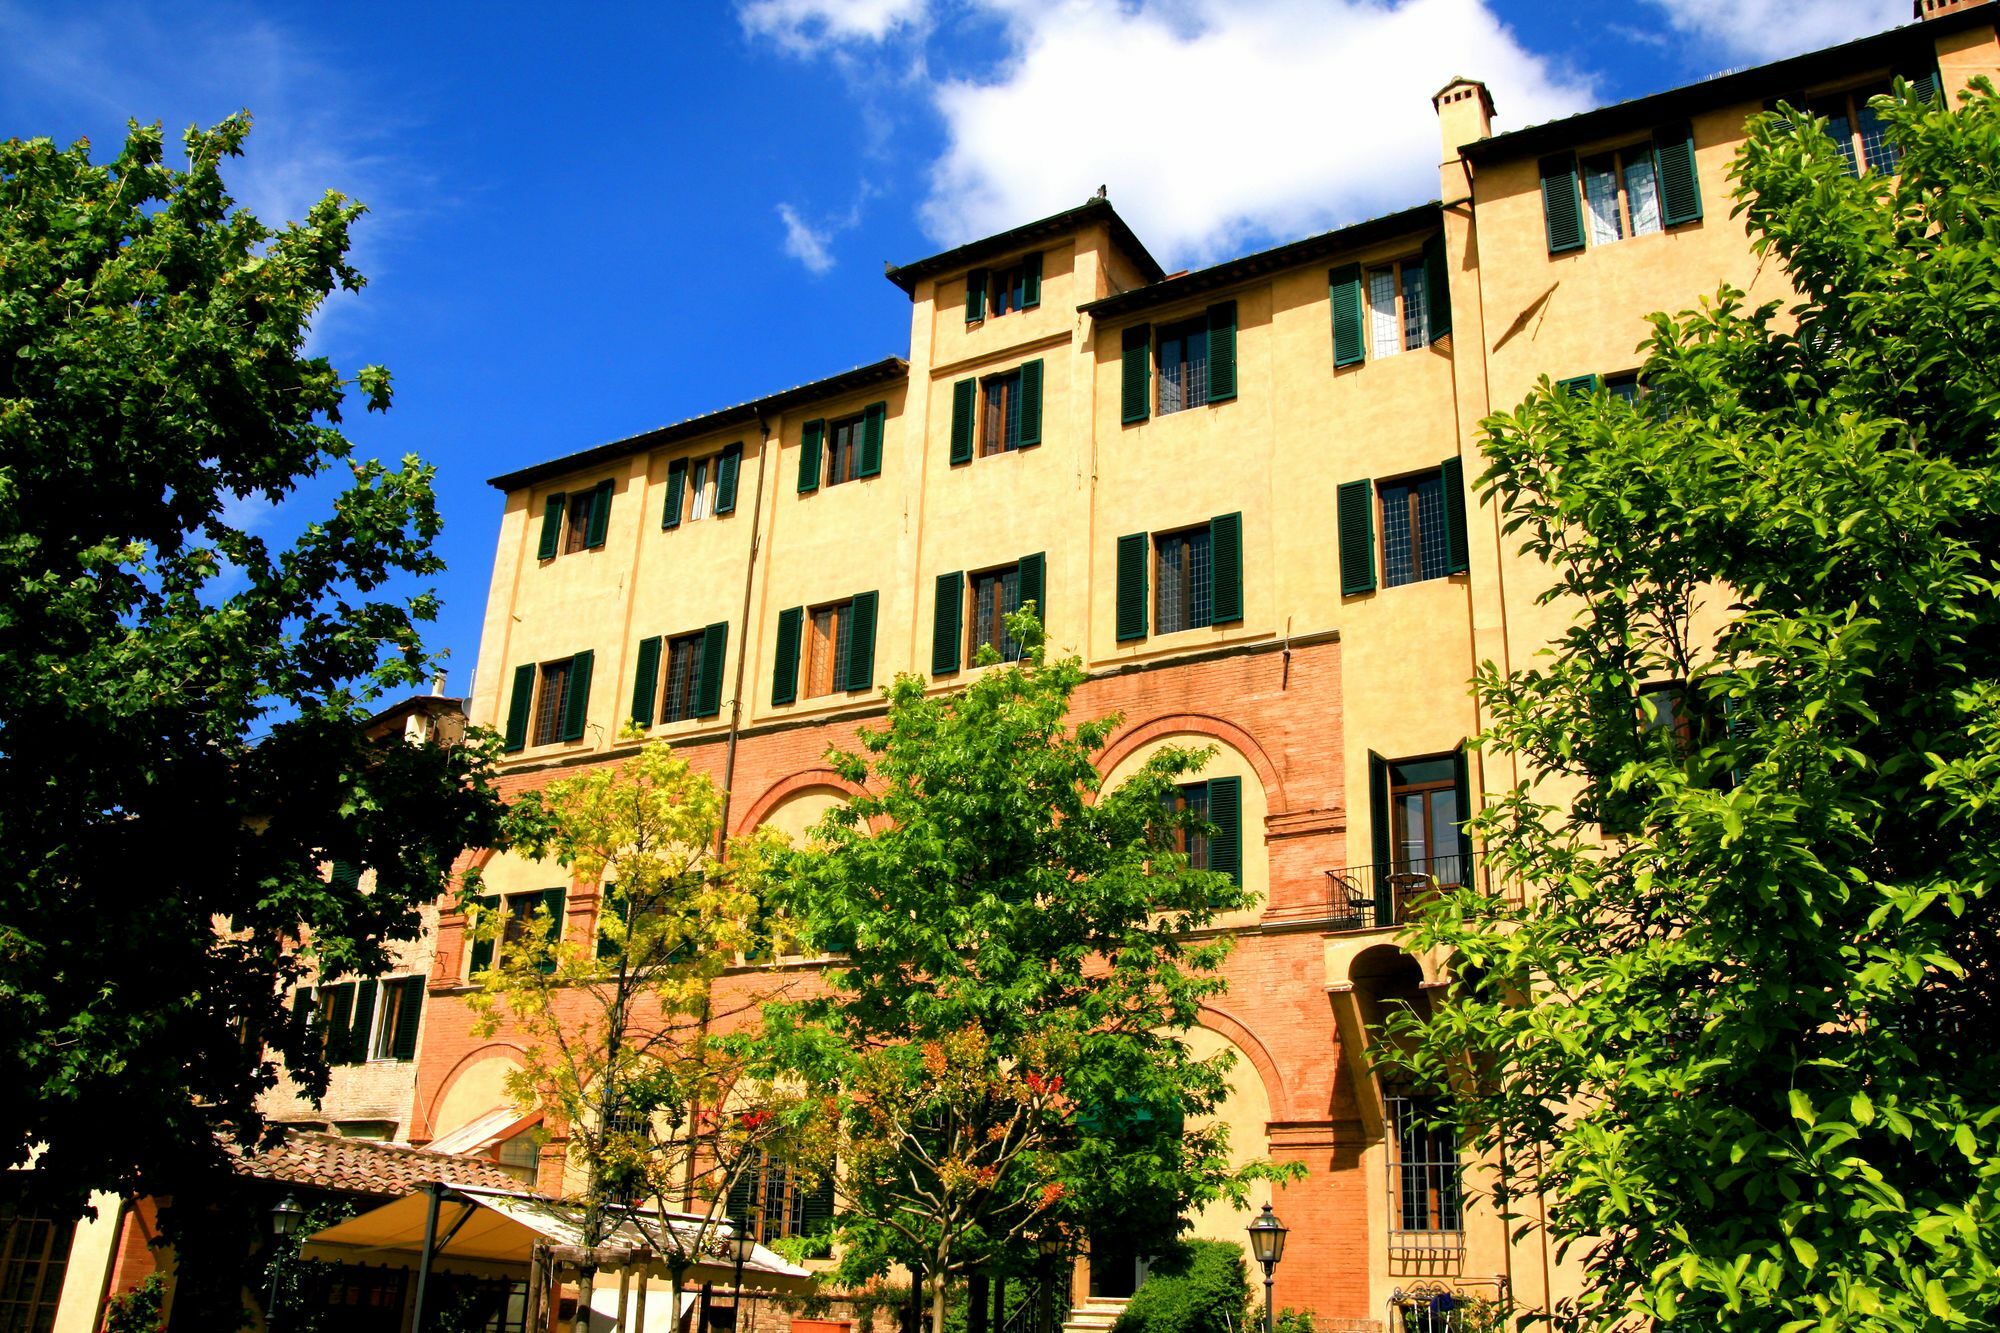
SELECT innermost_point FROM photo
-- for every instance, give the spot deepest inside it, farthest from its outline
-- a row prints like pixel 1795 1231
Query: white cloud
pixel 806 243
pixel 1760 30
pixel 805 25
pixel 1219 122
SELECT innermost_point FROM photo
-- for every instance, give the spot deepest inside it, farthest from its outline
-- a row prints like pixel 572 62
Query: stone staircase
pixel 1096 1315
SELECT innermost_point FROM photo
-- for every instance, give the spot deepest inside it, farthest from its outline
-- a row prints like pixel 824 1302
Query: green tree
pixel 1747 1034
pixel 1022 953
pixel 617 1050
pixel 180 738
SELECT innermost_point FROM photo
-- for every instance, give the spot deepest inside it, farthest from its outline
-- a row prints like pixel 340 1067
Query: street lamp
pixel 1267 1246
pixel 745 1246
pixel 285 1219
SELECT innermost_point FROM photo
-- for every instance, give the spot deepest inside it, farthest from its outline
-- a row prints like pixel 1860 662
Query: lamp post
pixel 745 1245
pixel 285 1219
pixel 1267 1246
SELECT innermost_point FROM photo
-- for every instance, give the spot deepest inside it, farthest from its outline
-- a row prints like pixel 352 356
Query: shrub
pixel 138 1310
pixel 1295 1321
pixel 1202 1287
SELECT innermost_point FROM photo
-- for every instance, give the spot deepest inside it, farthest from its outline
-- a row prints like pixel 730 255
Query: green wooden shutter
pixel 1033 568
pixel 1225 568
pixel 344 875
pixel 1222 351
pixel 553 900
pixel 646 687
pixel 1136 389
pixel 1461 785
pixel 336 1009
pixel 1437 287
pixel 975 295
pixel 480 958
pixel 816 1208
pixel 743 1193
pixel 1350 348
pixel 520 705
pixel 677 478
pixel 552 520
pixel 812 443
pixel 1225 811
pixel 1031 281
pixel 409 1018
pixel 358 1030
pixel 1031 404
pixel 1451 473
pixel 1562 206
pixel 861 649
pixel 1680 190
pixel 1581 385
pixel 1378 815
pixel 1356 521
pixel 1927 86
pixel 872 419
pixel 726 469
pixel 576 696
pixel 600 516
pixel 1132 553
pixel 785 659
pixel 947 623
pixel 714 648
pixel 964 407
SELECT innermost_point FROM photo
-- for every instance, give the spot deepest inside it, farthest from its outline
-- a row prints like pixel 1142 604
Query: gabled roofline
pixel 1897 46
pixel 1354 236
pixel 907 276
pixel 889 368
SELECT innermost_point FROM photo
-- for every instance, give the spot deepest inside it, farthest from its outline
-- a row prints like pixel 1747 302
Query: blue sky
pixel 590 220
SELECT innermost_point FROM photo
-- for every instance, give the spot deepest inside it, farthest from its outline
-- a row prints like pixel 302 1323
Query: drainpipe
pixel 743 644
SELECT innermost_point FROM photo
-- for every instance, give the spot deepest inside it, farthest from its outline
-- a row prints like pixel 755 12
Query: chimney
pixel 1937 9
pixel 1465 113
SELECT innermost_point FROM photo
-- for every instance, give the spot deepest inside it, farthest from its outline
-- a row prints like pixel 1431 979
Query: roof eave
pixel 907 276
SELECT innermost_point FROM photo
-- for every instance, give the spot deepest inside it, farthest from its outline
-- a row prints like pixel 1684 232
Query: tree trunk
pixel 975 1302
pixel 937 1301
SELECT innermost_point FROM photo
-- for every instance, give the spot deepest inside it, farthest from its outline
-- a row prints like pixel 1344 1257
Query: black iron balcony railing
pixel 1377 897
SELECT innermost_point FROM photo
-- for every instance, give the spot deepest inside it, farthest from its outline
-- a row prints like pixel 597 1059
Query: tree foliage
pixel 180 738
pixel 1749 1034
pixel 1023 950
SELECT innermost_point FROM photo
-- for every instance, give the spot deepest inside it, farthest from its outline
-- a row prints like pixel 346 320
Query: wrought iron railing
pixel 1378 897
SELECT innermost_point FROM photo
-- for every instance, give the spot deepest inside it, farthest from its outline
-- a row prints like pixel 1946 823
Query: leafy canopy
pixel 1751 1036
pixel 154 388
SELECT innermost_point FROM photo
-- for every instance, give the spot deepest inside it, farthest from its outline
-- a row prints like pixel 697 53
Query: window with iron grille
pixel 1398 308
pixel 1424 1188
pixel 1183 597
pixel 681 696
pixel 1000 413
pixel 843 450
pixel 772 1200
pixel 1183 365
pixel 996 594
pixel 34 1253
pixel 1413 533
pixel 832 635
pixel 551 700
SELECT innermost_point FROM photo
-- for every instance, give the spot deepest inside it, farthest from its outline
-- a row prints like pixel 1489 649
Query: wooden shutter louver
pixel 1133 550
pixel 409 1018
pixel 1222 351
pixel 345 876
pixel 861 645
pixel 359 1028
pixel 1031 281
pixel 1461 785
pixel 785 657
pixel 947 623
pixel 708 690
pixel 812 443
pixel 1582 386
pixel 1378 817
pixel 576 696
pixel 480 957
pixel 677 477
pixel 1136 374
pixel 1031 404
pixel 873 418
pixel 1562 206
pixel 600 517
pixel 552 901
pixel 1032 578
pixel 336 1016
pixel 964 409
pixel 1225 812
pixel 647 686
pixel 1225 568
pixel 1451 475
pixel 1350 348
pixel 520 706
pixel 1437 288
pixel 726 469
pixel 1356 522
pixel 975 295
pixel 1680 190
pixel 552 521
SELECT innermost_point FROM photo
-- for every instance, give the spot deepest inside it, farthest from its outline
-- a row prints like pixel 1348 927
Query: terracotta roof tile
pixel 366 1166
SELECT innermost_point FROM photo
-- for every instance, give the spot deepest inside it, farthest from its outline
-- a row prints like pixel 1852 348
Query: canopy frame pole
pixel 436 1190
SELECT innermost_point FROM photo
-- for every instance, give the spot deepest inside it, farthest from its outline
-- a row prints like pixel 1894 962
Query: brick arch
pixel 1232 1029
pixel 511 1049
pixel 1200 724
pixel 774 795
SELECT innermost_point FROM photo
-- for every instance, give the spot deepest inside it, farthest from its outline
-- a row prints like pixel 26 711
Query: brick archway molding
pixel 1233 1030
pixel 1236 738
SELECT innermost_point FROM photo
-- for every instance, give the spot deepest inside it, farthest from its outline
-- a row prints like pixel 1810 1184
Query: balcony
pixel 1381 897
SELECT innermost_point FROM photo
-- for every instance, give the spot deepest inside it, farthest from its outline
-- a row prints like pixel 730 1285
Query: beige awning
pixel 482 1133
pixel 492 1232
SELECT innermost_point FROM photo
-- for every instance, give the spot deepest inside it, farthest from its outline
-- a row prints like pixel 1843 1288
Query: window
pixel 683 677
pixel 835 643
pixel 773 1202
pixel 1857 130
pixel 1625 386
pixel 1424 1190
pixel 550 702
pixel 1424 819
pixel 1197 363
pixel 844 449
pixel 1000 291
pixel 575 521
pixel 517 913
pixel 34 1252
pixel 1413 532
pixel 1182 582
pixel 693 671
pixel 1183 366
pixel 996 594
pixel 1218 803
pixel 520 1157
pixel 1666 719
pixel 972 610
pixel 699 488
pixel 699 497
pixel 998 414
pixel 1191 799
pixel 1398 310
pixel 397 1013
pixel 831 641
pixel 1621 196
